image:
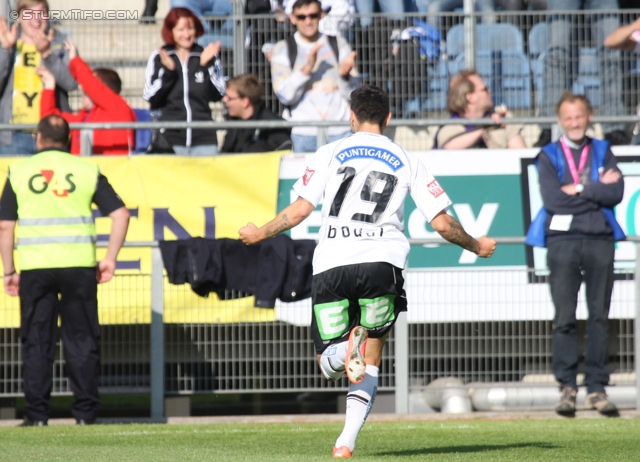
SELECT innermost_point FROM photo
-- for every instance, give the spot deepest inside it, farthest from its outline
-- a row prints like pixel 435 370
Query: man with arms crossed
pixel 358 285
pixel 580 183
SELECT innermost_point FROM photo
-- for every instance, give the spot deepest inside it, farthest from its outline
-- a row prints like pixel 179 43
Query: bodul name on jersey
pixel 345 231
pixel 367 152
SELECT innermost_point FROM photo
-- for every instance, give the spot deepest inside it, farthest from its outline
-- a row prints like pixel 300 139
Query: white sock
pixel 359 401
pixel 332 361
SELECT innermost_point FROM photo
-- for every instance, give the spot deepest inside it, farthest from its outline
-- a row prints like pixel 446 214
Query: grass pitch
pixel 471 440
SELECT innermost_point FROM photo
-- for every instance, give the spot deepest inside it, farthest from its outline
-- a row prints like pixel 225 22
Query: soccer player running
pixel 357 266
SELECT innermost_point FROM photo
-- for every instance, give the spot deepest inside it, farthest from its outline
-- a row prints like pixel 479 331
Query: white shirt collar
pixel 573 145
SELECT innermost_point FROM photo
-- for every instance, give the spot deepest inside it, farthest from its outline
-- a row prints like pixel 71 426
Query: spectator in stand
pixel 558 66
pixel 338 15
pixel 433 8
pixel 393 9
pixel 470 98
pixel 182 78
pixel 244 102
pixel 101 103
pixel 317 84
pixel 205 8
pixel 149 12
pixel 23 47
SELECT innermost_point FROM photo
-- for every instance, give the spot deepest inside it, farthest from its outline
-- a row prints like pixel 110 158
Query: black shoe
pixel 618 138
pixel 567 405
pixel 543 139
pixel 85 421
pixel 33 423
pixel 147 20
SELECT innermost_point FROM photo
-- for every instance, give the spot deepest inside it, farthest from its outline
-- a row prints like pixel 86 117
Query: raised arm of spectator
pixel 48 98
pixel 289 85
pixel 621 38
pixel 211 61
pixel 349 80
pixel 8 37
pixel 56 59
pixel 159 79
pixel 100 94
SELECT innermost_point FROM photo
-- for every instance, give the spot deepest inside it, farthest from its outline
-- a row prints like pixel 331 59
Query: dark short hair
pixel 569 97
pixel 370 104
pixel 110 78
pixel 301 3
pixel 247 86
pixel 172 18
pixel 54 131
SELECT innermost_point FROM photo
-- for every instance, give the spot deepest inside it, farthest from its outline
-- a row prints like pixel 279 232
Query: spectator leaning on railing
pixel 101 103
pixel 182 78
pixel 23 47
pixel 244 102
pixel 469 97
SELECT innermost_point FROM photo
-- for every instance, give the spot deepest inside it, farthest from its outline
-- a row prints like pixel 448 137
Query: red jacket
pixel 107 107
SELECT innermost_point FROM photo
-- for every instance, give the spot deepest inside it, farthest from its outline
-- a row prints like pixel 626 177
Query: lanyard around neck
pixel 575 173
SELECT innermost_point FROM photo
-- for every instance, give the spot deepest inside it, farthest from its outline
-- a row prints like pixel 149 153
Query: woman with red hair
pixel 182 78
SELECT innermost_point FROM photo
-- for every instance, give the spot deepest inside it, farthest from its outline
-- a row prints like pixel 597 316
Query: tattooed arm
pixel 452 231
pixel 291 216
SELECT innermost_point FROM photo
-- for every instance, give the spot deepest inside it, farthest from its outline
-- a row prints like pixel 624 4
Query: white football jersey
pixel 363 181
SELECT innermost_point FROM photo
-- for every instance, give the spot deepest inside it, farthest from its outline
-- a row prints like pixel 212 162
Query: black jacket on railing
pixel 278 268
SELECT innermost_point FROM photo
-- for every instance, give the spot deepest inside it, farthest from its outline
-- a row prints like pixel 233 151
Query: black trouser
pixel 70 293
pixel 567 259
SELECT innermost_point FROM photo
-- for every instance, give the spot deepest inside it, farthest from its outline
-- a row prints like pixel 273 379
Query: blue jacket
pixel 539 229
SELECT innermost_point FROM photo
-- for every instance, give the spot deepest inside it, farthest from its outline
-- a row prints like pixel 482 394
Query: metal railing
pixel 278 356
pixel 87 129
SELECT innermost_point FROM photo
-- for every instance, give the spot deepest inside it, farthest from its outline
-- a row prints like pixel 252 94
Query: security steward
pixel 49 195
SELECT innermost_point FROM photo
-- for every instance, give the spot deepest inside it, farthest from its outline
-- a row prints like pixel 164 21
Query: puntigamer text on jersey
pixel 364 152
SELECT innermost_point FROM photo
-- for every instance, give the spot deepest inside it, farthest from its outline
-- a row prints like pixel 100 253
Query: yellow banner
pixel 173 197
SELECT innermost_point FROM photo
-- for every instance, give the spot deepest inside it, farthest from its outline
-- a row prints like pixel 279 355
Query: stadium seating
pixel 588 80
pixel 437 92
pixel 143 137
pixel 492 37
pixel 516 80
pixel 500 61
pixel 537 40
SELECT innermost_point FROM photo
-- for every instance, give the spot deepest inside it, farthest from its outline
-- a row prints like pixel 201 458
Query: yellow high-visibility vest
pixel 55 221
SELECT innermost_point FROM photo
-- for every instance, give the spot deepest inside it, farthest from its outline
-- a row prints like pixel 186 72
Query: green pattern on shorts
pixel 376 312
pixel 332 318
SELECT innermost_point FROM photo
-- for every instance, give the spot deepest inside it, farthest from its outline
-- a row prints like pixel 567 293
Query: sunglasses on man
pixel 303 17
